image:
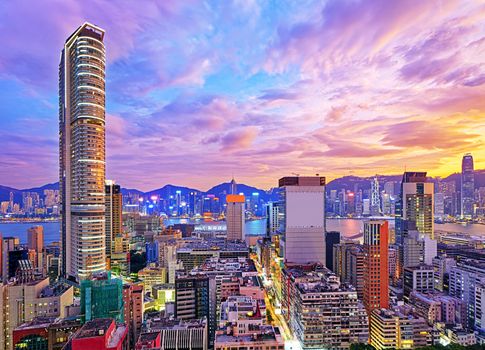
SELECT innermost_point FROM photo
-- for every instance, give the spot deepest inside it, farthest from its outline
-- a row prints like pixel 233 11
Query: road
pixel 277 319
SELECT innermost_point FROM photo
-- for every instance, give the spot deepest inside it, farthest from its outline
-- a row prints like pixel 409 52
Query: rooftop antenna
pixel 298 175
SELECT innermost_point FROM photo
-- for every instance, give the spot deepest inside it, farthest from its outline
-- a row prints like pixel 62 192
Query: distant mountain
pixel 221 190
pixel 170 190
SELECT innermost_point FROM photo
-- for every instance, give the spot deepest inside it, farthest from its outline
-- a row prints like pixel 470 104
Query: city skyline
pixel 307 89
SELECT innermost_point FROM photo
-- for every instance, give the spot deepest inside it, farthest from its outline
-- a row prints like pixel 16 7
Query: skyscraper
pixel 82 152
pixel 235 216
pixel 303 209
pixel 467 186
pixel 35 239
pixel 376 265
pixel 415 208
pixel 375 200
pixel 114 211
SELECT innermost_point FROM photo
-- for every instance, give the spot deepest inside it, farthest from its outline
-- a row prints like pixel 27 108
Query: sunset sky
pixel 200 90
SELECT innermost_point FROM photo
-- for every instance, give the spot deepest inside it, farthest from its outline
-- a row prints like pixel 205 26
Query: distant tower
pixel 233 186
pixel 82 152
pixel 467 186
pixel 235 216
pixel 375 201
pixel 35 239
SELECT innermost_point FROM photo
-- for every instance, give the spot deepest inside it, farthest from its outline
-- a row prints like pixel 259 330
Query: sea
pixel 347 227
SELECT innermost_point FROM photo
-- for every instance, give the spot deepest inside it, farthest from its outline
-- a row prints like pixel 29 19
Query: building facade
pixel 376 265
pixel 303 219
pixel 467 186
pixel 235 216
pixel 82 152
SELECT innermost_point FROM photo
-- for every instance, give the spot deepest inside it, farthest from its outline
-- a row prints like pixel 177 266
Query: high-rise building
pixel 102 297
pixel 375 200
pixel 195 298
pixel 418 279
pixel 82 152
pixel 376 265
pixel 35 239
pixel 332 238
pixel 114 212
pixel 415 208
pixel 303 209
pixel 235 216
pixel 467 186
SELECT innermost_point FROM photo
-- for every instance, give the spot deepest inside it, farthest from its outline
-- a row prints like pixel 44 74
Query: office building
pixel 303 210
pixel 418 250
pixel 332 238
pixel 100 334
pixel 272 215
pixel 82 152
pixel 7 244
pixel 113 217
pixel 467 187
pixel 376 265
pixel 102 297
pixel 195 298
pixel 392 329
pixel 152 275
pixel 35 242
pixel 442 266
pixel 321 311
pixel 418 278
pixel 415 208
pixel 235 216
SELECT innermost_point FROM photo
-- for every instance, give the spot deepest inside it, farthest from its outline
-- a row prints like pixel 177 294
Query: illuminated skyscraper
pixel 113 224
pixel 376 265
pixel 235 216
pixel 467 186
pixel 303 221
pixel 375 200
pixel 82 152
pixel 415 208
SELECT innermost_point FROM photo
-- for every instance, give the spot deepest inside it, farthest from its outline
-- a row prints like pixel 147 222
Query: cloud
pixel 306 86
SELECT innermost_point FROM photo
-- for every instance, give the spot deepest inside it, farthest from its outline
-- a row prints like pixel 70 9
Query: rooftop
pixel 147 337
pixel 94 328
pixel 265 333
pixel 37 322
pixel 212 244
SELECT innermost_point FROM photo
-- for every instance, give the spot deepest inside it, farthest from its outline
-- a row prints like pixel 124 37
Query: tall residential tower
pixel 82 152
